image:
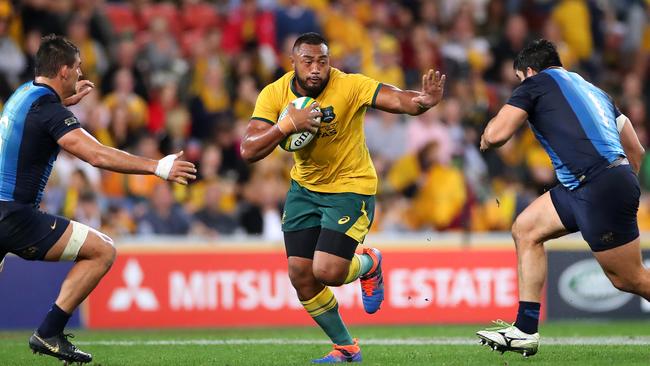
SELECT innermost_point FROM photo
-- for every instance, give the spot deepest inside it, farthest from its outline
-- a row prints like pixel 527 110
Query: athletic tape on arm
pixel 165 166
pixel 620 122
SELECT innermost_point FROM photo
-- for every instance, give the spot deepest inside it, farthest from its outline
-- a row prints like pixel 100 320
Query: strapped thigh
pixel 301 243
pixel 337 243
pixel 77 239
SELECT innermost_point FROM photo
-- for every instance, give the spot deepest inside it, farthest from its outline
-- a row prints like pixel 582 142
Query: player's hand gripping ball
pixel 298 140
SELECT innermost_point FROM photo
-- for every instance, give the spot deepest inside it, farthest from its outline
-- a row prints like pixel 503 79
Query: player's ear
pixel 64 71
pixel 530 72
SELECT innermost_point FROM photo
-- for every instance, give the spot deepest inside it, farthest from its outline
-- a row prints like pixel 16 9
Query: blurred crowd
pixel 185 75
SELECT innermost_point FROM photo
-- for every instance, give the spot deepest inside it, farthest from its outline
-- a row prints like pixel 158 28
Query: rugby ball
pixel 298 140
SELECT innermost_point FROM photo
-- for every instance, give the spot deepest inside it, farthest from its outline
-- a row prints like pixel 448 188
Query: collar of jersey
pixel 48 87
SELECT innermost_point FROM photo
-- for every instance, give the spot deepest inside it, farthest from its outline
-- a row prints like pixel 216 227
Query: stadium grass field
pixel 563 343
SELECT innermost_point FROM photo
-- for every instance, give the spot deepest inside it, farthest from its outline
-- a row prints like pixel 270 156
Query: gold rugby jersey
pixel 337 160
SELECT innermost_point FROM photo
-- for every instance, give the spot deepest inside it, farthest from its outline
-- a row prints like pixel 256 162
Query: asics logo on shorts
pixel 344 220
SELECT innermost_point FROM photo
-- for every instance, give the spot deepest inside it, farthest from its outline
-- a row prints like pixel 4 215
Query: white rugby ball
pixel 298 140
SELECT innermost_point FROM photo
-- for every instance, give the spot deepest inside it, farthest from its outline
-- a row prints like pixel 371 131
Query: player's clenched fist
pixel 174 170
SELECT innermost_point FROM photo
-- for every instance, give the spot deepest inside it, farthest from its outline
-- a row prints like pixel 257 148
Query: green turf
pixel 14 351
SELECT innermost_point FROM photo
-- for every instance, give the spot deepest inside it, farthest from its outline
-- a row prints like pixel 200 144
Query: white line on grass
pixel 435 341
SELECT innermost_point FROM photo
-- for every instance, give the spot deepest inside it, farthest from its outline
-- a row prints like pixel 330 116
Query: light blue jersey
pixel 573 120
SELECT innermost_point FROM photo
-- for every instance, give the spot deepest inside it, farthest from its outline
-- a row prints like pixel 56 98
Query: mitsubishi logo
pixel 123 297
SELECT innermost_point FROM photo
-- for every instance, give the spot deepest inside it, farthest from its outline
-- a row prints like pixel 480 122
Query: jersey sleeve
pixel 268 106
pixel 524 96
pixel 58 120
pixel 364 90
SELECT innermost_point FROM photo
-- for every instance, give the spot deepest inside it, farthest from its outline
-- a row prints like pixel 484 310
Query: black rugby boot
pixel 60 347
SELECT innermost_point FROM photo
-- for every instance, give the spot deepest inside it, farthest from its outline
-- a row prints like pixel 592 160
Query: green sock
pixel 324 309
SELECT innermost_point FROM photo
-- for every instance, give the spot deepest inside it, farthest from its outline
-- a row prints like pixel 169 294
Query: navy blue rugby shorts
pixel 27 231
pixel 604 209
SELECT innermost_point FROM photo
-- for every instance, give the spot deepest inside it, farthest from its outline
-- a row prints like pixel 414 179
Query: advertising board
pixel 248 288
pixel 578 288
pixel 27 290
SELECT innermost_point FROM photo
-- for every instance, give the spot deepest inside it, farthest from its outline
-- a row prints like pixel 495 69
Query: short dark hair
pixel 309 38
pixel 54 53
pixel 539 54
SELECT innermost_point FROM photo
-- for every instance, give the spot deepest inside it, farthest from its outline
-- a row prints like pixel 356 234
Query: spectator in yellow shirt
pixel 124 97
pixel 438 189
pixel 380 59
pixel 572 17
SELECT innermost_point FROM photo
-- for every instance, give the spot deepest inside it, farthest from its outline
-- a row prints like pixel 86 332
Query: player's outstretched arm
pixel 84 146
pixel 501 128
pixel 631 144
pixel 394 100
pixel 261 137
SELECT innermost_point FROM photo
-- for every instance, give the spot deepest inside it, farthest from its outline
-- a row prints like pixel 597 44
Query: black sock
pixel 54 322
pixel 528 317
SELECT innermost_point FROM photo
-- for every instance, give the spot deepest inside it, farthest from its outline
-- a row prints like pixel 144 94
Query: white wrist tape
pixel 620 122
pixel 165 166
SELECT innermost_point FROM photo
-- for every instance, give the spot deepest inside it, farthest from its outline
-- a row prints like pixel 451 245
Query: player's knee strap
pixel 77 239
